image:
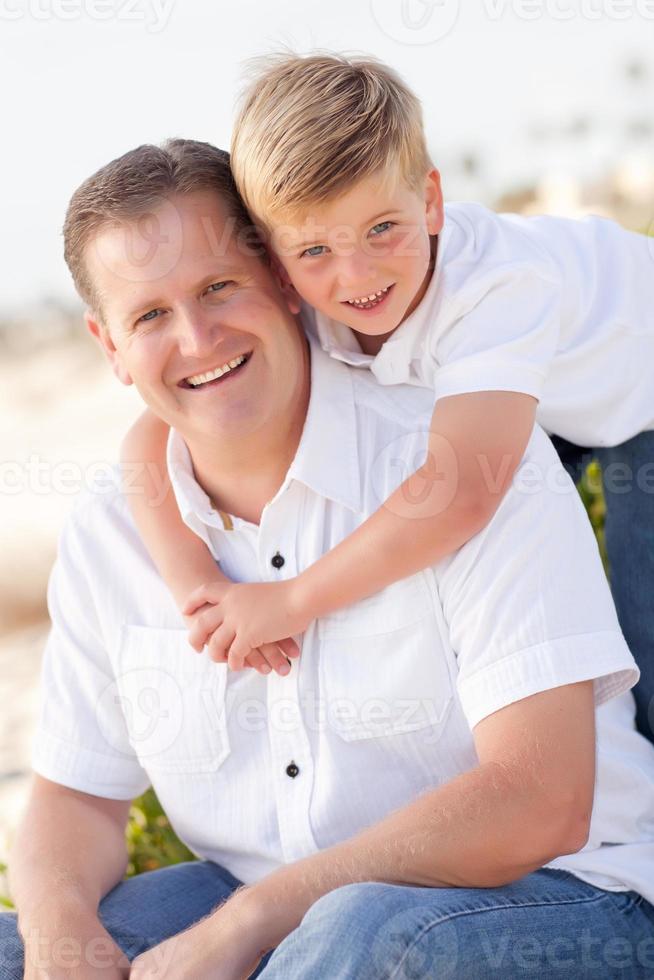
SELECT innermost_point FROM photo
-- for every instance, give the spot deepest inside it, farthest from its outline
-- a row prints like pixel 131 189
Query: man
pixel 391 803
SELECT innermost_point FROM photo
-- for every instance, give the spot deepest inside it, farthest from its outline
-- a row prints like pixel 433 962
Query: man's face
pixel 183 298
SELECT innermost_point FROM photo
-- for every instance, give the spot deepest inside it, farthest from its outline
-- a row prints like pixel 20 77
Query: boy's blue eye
pixel 314 250
pixel 216 287
pixel 381 227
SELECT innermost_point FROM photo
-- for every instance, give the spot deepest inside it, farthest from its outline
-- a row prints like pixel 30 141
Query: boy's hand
pixel 247 617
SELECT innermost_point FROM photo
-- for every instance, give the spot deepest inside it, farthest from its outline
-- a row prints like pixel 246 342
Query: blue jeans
pixel 628 482
pixel 547 924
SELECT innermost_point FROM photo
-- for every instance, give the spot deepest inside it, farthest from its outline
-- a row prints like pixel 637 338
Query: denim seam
pixel 495 908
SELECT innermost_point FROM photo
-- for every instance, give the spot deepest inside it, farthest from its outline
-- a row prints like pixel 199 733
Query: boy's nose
pixel 356 270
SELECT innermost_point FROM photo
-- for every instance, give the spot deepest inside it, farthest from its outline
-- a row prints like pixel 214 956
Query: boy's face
pixel 364 258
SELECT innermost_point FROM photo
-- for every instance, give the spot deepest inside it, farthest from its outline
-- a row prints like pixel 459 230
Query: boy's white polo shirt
pixel 255 771
pixel 559 309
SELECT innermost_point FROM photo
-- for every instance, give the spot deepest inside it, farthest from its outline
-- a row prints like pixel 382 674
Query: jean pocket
pixel 173 701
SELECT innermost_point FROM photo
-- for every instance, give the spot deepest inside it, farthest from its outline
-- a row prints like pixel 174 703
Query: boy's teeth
pixel 201 379
pixel 361 300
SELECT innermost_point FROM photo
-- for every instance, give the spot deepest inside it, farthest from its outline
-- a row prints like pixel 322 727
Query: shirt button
pixel 277 560
pixel 292 770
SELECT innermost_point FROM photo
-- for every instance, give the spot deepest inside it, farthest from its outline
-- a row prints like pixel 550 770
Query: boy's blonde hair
pixel 310 127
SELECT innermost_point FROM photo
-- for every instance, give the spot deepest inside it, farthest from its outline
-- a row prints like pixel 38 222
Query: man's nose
pixel 197 331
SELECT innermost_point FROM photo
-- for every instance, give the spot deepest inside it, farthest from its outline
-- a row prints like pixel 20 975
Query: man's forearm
pixel 67 855
pixel 482 829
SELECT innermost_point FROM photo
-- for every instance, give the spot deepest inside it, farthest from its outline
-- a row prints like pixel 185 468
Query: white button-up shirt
pixel 558 309
pixel 255 771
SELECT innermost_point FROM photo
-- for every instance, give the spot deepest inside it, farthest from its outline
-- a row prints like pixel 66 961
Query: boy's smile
pixel 364 258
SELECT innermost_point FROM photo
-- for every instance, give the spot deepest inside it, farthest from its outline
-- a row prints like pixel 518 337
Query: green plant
pixel 151 841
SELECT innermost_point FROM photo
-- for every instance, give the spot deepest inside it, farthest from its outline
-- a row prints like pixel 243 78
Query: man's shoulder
pixel 101 515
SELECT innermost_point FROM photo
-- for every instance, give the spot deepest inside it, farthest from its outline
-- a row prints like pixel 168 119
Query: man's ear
pixel 283 280
pixel 434 202
pixel 103 337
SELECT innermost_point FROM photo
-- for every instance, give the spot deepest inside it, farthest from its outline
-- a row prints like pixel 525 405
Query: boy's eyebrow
pixel 369 221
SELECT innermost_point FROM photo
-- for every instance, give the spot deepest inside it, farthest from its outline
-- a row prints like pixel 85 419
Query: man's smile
pixel 216 374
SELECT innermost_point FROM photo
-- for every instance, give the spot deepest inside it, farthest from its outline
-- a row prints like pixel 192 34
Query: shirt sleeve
pixel 81 739
pixel 502 338
pixel 526 600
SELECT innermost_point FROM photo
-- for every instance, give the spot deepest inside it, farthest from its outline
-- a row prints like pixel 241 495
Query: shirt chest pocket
pixel 173 701
pixel 383 667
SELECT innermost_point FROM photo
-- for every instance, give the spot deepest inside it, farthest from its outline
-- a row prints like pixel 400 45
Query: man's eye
pixel 314 250
pixel 381 227
pixel 150 315
pixel 217 287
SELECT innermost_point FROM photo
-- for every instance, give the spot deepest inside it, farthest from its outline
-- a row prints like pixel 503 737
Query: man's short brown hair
pixel 135 184
pixel 309 127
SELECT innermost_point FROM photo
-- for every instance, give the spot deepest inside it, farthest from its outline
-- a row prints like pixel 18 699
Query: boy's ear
pixel 434 202
pixel 101 334
pixel 282 277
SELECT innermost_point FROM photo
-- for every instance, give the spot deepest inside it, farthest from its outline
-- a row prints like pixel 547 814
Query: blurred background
pixel 530 106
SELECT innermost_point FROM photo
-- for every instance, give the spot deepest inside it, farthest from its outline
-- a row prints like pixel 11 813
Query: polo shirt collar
pixel 326 461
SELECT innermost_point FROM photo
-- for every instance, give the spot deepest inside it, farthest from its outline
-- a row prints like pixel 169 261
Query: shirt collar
pixel 326 461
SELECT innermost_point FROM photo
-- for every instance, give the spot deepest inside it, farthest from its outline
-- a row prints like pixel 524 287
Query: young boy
pixel 507 319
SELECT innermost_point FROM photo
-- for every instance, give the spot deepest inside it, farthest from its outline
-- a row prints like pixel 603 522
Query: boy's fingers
pixel 289 647
pixel 194 601
pixel 274 656
pixel 256 659
pixel 219 644
pixel 205 624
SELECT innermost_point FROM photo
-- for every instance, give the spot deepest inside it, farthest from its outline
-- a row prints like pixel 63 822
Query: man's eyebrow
pixel 152 304
pixel 308 242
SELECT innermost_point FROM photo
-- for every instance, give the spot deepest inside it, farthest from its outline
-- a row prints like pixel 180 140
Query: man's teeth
pixel 367 300
pixel 201 379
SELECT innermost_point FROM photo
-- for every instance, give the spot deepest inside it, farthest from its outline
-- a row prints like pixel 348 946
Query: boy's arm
pixel 182 560
pixel 476 443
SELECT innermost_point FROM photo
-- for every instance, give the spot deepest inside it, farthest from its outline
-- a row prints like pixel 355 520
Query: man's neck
pixel 240 479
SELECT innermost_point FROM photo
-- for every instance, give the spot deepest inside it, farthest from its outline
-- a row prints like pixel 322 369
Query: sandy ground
pixel 61 413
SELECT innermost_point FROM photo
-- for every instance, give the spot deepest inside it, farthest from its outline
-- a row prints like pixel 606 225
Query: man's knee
pixel 375 930
pixel 11 948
